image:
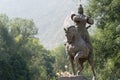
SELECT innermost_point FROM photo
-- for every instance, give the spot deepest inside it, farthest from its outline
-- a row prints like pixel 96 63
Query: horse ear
pixel 65 30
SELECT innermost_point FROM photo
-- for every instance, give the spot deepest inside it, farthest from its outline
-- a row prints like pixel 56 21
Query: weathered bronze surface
pixel 78 46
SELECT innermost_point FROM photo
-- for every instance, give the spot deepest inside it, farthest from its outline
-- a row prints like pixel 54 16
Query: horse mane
pixel 72 26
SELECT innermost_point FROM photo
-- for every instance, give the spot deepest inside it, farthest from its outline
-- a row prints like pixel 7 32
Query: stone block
pixel 73 78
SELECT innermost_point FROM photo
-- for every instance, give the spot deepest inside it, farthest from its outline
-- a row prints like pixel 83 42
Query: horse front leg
pixel 79 64
pixel 72 65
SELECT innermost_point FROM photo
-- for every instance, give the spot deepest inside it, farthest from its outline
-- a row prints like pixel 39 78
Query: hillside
pixel 51 34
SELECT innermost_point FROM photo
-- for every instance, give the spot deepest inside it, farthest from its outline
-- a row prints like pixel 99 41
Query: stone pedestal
pixel 73 78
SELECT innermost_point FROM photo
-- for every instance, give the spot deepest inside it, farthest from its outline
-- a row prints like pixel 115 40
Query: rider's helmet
pixel 80 9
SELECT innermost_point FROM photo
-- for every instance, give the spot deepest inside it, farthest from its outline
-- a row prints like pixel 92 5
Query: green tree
pixel 60 58
pixel 22 56
pixel 106 40
pixel 37 57
pixel 12 66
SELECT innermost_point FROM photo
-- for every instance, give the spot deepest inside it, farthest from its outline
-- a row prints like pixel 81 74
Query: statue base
pixel 73 78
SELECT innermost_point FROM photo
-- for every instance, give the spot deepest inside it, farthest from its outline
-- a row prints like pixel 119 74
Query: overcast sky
pixel 21 8
pixel 26 8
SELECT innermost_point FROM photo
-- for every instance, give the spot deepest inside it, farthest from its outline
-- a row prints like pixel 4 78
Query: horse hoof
pixel 94 78
pixel 73 74
pixel 78 73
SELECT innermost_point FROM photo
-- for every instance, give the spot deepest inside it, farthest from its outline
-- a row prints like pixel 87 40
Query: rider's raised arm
pixel 90 21
pixel 76 18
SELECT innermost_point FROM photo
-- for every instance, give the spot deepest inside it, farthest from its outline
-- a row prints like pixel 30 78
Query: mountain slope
pixel 53 33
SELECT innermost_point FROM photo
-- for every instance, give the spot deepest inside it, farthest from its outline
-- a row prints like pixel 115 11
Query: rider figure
pixel 80 21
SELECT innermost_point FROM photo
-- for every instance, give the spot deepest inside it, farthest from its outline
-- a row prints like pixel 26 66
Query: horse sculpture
pixel 78 50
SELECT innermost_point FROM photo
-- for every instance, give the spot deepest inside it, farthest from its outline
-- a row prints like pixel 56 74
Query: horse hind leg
pixel 91 62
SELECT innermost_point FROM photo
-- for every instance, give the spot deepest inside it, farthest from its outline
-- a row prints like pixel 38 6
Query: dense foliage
pixel 106 40
pixel 22 57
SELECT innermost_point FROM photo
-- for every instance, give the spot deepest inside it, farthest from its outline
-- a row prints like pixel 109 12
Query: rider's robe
pixel 80 22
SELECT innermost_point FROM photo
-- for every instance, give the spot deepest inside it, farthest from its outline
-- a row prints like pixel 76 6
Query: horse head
pixel 70 33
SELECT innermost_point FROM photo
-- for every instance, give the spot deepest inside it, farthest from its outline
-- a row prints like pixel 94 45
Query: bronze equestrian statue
pixel 78 46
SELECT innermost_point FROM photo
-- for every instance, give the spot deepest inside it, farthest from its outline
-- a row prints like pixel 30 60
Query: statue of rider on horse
pixel 78 46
